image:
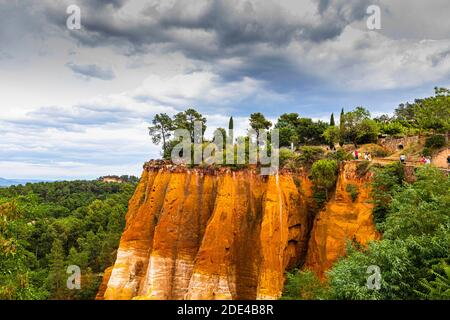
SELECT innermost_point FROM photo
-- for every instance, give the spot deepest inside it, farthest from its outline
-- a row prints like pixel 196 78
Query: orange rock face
pixel 219 234
pixel 341 220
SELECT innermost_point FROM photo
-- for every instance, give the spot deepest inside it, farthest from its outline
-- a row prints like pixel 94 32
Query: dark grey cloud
pixel 229 23
pixel 92 71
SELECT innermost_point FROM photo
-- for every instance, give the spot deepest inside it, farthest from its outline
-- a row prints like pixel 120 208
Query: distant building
pixel 111 179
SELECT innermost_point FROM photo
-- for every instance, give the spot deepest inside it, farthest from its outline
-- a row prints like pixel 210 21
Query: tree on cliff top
pixel 186 120
pixel 161 130
pixel 259 122
pixel 433 113
pixel 287 124
pixel 358 127
pixel 324 174
pixel 341 128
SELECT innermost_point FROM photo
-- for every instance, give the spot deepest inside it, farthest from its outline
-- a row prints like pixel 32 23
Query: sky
pixel 77 103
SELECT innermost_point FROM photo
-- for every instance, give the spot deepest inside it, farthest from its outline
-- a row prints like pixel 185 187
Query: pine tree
pixel 57 277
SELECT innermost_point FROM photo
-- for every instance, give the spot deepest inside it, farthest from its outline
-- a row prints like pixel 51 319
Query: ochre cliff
pixel 341 220
pixel 221 234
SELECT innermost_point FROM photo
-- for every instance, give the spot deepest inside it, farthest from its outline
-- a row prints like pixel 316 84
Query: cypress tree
pixel 341 128
pixel 332 120
pixel 230 129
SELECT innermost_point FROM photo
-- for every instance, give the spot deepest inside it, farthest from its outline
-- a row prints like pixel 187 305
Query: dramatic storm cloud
pixel 77 103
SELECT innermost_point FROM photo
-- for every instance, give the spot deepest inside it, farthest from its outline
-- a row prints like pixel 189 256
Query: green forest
pixel 45 227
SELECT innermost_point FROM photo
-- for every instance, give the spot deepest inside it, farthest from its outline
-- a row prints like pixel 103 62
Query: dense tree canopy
pixel 46 227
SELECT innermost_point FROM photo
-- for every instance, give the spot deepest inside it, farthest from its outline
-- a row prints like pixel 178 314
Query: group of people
pixel 425 160
pixel 367 155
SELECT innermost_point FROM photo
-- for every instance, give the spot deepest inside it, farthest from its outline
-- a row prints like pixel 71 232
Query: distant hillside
pixel 13 182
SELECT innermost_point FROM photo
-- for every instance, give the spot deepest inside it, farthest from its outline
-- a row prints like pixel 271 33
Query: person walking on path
pixel 402 158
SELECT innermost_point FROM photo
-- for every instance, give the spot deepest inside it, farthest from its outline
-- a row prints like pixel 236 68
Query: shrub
pixel 427 152
pixel 392 128
pixel 340 155
pixel 353 191
pixel 386 181
pixel 435 142
pixel 439 288
pixel 324 173
pixel 377 151
pixel 287 158
pixel 304 285
pixel 362 168
pixel 324 176
pixel 310 154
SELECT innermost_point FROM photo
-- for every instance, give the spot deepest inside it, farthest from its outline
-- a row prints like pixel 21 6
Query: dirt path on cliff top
pixel 440 163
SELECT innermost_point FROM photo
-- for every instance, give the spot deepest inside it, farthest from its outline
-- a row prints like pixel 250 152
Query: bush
pixel 310 154
pixel 324 176
pixel 340 155
pixel 304 285
pixel 386 181
pixel 393 128
pixel 439 288
pixel 353 191
pixel 377 150
pixel 287 158
pixel 435 142
pixel 427 152
pixel 362 168
pixel 324 173
pixel 414 254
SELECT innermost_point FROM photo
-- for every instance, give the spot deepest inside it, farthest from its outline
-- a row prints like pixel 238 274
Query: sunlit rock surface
pixel 222 234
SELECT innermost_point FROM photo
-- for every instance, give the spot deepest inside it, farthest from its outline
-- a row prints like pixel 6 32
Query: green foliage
pixel 439 287
pixel 420 208
pixel 186 120
pixel 294 129
pixel 353 191
pixel 308 154
pixel 324 173
pixel 362 167
pixel 433 113
pixel 377 150
pixel 332 123
pixel 342 128
pixel 359 128
pixel 46 227
pixel 402 264
pixel 311 132
pixel 386 181
pixel 287 125
pixel 324 176
pixel 435 142
pixel 304 285
pixel 288 158
pixel 259 122
pixel 340 155
pixel 415 248
pixel 162 129
pixel 427 152
pixel 394 128
pixel 231 130
pixel 331 136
